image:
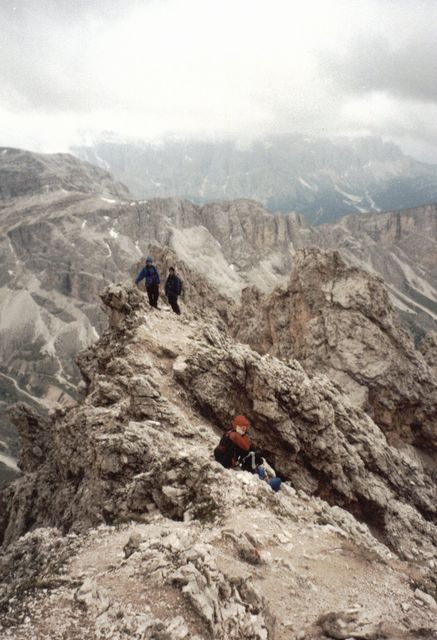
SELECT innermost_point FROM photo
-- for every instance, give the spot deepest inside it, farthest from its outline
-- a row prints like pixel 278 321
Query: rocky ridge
pixel 60 245
pixel 147 535
pixel 400 246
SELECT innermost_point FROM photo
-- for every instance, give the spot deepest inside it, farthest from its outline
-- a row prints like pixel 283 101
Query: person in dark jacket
pixel 173 288
pixel 150 274
pixel 234 444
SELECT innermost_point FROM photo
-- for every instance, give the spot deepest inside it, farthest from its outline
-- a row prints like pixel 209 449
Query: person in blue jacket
pixel 173 288
pixel 150 274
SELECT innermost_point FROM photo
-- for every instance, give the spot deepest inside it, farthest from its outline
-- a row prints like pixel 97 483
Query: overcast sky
pixel 245 68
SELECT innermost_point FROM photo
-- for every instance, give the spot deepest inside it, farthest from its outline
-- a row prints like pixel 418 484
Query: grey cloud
pixel 424 131
pixel 45 55
pixel 33 80
pixel 64 58
pixel 65 11
pixel 372 64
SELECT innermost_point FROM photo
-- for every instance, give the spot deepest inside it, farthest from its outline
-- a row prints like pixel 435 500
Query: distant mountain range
pixel 320 178
pixel 67 229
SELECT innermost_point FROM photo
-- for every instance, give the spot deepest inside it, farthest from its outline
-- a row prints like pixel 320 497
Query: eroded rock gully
pixel 129 468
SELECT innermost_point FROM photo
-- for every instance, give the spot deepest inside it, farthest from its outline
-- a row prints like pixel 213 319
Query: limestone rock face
pixel 338 319
pixel 400 246
pixel 316 438
pixel 428 348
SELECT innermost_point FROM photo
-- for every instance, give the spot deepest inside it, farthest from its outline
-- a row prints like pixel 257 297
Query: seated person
pixel 234 444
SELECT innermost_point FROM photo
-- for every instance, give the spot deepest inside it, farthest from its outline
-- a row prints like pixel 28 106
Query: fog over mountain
pixel 153 69
pixel 320 178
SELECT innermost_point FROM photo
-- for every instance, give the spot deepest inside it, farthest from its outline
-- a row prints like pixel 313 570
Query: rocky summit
pixel 122 525
pixel 67 230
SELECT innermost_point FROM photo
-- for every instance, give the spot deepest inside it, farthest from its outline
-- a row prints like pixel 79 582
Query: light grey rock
pixel 426 599
pixel 132 545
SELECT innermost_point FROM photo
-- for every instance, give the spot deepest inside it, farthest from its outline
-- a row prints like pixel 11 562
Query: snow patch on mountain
pixel 372 202
pixel 22 392
pixel 305 184
pixel 9 462
pixel 395 300
pixel 412 304
pixel 350 196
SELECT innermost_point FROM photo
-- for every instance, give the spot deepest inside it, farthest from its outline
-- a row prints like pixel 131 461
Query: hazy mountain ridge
pixel 319 178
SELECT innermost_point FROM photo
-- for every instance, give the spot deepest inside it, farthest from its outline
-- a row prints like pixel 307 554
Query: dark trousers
pixel 153 293
pixel 173 300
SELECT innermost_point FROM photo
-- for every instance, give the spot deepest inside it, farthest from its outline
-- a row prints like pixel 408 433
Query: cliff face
pixel 25 173
pixel 133 458
pixel 337 319
pixel 401 247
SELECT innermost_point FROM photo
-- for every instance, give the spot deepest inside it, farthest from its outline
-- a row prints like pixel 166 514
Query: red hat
pixel 241 421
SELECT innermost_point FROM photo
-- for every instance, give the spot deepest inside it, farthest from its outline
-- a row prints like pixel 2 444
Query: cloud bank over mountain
pixel 200 68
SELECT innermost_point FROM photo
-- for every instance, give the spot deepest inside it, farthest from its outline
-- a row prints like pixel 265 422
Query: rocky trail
pixel 257 576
